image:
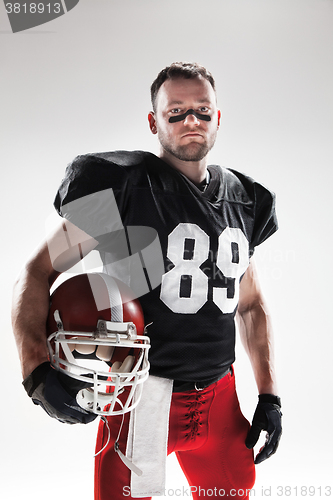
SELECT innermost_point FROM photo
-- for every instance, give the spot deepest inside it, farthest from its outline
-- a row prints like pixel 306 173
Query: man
pixel 208 221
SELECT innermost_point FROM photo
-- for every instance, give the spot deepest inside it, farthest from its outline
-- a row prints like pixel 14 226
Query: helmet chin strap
pixel 126 366
pixel 130 465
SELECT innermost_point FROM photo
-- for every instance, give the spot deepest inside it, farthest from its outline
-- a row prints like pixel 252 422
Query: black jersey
pixel 206 239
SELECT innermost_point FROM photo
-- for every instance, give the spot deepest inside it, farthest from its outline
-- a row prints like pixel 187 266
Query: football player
pixel 208 221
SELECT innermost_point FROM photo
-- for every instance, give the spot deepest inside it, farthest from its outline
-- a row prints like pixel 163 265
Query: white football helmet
pixel 96 335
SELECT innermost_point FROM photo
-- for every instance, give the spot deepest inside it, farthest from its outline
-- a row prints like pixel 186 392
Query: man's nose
pixel 191 120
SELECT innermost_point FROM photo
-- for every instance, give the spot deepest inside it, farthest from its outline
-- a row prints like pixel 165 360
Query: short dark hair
pixel 179 70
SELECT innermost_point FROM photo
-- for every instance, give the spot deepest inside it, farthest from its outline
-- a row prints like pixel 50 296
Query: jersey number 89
pixel 232 267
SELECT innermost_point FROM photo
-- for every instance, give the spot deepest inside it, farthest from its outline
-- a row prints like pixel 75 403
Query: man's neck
pixel 195 171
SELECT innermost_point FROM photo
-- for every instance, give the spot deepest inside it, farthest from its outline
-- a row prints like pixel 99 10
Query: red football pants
pixel 207 432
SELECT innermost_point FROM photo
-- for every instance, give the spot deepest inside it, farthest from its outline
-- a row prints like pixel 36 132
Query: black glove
pixel 56 393
pixel 267 417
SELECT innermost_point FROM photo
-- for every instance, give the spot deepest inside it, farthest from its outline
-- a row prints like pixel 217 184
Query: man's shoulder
pixel 95 172
pixel 240 187
pixel 234 186
pixel 120 158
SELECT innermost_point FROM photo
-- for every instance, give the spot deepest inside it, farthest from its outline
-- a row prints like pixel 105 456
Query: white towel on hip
pixel 148 437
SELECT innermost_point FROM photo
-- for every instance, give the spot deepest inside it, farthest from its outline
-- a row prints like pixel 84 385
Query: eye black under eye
pixel 181 117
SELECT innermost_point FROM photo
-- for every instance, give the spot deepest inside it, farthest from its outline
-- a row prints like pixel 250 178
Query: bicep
pixel 64 247
pixel 250 294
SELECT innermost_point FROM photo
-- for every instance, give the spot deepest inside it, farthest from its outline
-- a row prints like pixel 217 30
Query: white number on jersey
pixel 188 248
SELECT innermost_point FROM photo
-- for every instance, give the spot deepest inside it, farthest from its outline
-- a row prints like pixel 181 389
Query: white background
pixel 81 84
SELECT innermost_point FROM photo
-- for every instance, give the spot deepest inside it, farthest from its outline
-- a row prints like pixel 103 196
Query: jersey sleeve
pixel 92 195
pixel 261 203
pixel 265 219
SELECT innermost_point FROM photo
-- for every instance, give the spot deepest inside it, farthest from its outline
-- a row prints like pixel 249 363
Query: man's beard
pixel 194 151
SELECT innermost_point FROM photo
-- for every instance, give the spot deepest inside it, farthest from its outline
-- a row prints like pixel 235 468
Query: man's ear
pixel 218 118
pixel 152 122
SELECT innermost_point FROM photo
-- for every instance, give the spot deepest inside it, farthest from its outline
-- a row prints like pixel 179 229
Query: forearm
pixel 29 314
pixel 63 249
pixel 257 337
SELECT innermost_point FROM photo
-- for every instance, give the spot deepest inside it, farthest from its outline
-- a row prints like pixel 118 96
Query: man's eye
pixel 175 110
pixel 203 109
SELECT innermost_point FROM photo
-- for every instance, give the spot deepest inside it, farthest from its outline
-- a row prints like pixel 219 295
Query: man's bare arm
pixel 256 334
pixel 63 249
pixel 256 331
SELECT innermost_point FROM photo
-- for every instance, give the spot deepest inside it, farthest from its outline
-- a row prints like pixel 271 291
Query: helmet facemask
pixel 108 364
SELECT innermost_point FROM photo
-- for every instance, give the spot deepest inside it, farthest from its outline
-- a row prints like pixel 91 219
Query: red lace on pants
pixel 207 432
